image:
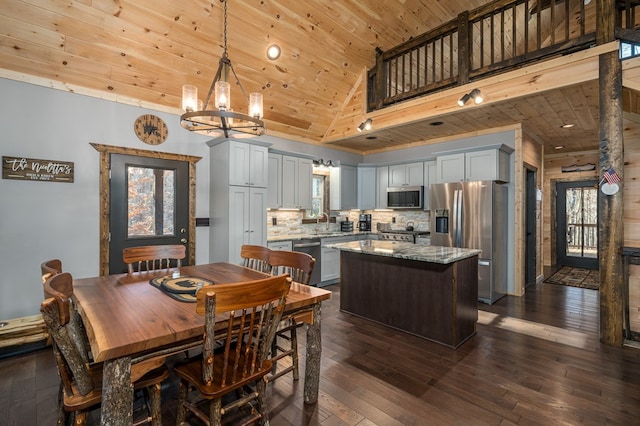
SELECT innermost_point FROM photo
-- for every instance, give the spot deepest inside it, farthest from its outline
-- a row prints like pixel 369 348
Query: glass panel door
pixel 577 220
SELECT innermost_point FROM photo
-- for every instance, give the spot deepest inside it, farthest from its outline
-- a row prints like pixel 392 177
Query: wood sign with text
pixel 22 168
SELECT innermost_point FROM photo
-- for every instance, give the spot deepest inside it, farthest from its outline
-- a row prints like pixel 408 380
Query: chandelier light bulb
pixel 223 95
pixel 189 98
pixel 255 105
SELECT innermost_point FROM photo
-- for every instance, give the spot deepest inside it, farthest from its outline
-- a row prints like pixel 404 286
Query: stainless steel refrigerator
pixel 474 215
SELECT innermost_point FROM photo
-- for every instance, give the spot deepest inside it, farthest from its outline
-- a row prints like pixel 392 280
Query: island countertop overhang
pixel 403 250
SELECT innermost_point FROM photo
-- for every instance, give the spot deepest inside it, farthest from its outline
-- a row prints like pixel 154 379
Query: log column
pixel 610 207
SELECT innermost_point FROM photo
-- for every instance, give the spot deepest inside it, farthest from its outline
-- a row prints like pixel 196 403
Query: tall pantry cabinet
pixel 238 199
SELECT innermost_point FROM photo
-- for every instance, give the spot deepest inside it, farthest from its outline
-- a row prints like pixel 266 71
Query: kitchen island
pixel 428 291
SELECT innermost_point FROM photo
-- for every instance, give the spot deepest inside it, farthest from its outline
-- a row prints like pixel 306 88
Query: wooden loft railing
pixel 499 36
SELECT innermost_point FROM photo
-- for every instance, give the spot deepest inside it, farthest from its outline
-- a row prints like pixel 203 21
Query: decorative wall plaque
pixel 22 168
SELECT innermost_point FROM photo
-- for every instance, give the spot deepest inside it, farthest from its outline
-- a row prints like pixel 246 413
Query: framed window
pixel 319 197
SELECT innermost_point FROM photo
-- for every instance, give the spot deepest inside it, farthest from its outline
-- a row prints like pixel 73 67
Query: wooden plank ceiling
pixel 142 52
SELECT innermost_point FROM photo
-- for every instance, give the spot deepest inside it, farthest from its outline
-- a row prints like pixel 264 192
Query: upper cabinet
pixel 274 181
pixel 248 164
pixel 343 191
pixel 430 168
pixel 366 188
pixel 382 183
pixel 410 174
pixel 489 164
pixel 297 175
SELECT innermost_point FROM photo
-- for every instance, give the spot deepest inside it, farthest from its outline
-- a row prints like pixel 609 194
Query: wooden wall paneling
pixel 519 225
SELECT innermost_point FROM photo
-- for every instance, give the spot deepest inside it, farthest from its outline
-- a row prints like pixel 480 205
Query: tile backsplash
pixel 289 222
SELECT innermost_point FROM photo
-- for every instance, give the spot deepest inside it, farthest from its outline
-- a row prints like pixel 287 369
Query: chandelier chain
pixel 224 54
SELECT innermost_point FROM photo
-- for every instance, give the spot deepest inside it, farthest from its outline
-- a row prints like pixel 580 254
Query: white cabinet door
pixel 297 175
pixel 344 188
pixel 397 175
pixel 258 166
pixel 414 174
pixel 274 181
pixel 382 183
pixel 258 216
pixel 366 188
pixel 304 181
pixel 329 264
pixel 239 164
pixel 247 164
pixel 450 168
pixel 430 168
pixel 406 175
pixel 239 220
pixel 247 219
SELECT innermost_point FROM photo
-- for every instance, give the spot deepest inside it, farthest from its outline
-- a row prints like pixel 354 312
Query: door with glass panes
pixel 149 204
pixel 577 224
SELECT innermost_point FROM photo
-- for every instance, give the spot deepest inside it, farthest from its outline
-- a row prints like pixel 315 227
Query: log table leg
pixel 117 393
pixel 312 362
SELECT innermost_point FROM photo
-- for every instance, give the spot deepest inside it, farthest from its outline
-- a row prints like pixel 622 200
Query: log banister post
pixel 464 50
pixel 610 207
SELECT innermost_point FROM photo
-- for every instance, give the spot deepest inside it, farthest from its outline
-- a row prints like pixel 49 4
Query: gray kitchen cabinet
pixel 274 181
pixel 382 183
pixel 248 164
pixel 343 192
pixel 238 213
pixel 430 170
pixel 297 175
pixel 366 188
pixel 410 174
pixel 487 164
pixel 330 259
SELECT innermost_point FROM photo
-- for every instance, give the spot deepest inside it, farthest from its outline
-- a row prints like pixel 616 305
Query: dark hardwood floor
pixel 534 360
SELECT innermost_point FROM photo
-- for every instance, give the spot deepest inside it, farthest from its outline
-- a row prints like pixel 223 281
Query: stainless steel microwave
pixel 405 197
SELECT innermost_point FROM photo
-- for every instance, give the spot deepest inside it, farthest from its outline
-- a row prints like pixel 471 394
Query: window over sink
pixel 319 196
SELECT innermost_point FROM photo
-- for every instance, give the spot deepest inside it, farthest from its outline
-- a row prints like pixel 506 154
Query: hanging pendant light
pixel 220 117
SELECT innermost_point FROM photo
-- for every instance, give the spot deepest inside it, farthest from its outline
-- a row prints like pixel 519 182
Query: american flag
pixel 611 176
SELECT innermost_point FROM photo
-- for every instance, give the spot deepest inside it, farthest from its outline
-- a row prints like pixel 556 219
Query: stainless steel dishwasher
pixel 311 246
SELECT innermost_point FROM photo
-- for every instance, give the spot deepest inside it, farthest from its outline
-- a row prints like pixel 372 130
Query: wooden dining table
pixel 131 323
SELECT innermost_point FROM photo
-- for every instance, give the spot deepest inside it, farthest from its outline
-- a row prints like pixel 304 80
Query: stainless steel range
pixel 400 235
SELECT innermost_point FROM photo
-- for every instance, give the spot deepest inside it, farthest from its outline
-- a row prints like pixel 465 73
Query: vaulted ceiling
pixel 142 52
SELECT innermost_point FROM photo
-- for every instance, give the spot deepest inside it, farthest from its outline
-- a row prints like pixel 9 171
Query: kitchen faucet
pixel 320 217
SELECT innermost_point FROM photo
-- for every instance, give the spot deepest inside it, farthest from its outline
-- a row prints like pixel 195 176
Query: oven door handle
pixel 303 245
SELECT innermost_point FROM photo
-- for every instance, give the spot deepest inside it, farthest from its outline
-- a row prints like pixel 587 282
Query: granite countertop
pixel 402 250
pixel 321 234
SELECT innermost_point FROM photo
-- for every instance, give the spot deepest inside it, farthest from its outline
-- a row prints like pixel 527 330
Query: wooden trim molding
pixel 105 195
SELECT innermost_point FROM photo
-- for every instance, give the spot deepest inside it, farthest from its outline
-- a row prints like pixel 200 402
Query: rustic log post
pixel 65 344
pixel 610 207
pixel 312 362
pixel 117 392
pixel 209 338
pixel 464 51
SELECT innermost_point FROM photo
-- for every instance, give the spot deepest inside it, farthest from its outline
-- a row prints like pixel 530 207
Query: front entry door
pixel 577 224
pixel 149 204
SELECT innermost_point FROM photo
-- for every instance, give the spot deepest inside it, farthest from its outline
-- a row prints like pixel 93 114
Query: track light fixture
pixel 475 94
pixel 322 163
pixel 365 125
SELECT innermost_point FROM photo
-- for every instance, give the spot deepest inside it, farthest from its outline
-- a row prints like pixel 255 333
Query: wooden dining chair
pixel 299 266
pixel 81 380
pixel 256 257
pixel 152 258
pixel 238 355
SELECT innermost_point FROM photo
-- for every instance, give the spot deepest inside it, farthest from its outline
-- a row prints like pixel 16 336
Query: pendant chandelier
pixel 216 115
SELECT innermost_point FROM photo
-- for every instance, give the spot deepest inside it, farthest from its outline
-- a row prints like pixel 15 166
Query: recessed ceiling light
pixel 558 147
pixel 568 126
pixel 436 123
pixel 273 52
pixel 371 138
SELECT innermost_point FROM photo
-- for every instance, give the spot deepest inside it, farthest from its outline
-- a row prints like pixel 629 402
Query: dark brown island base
pixel 428 291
